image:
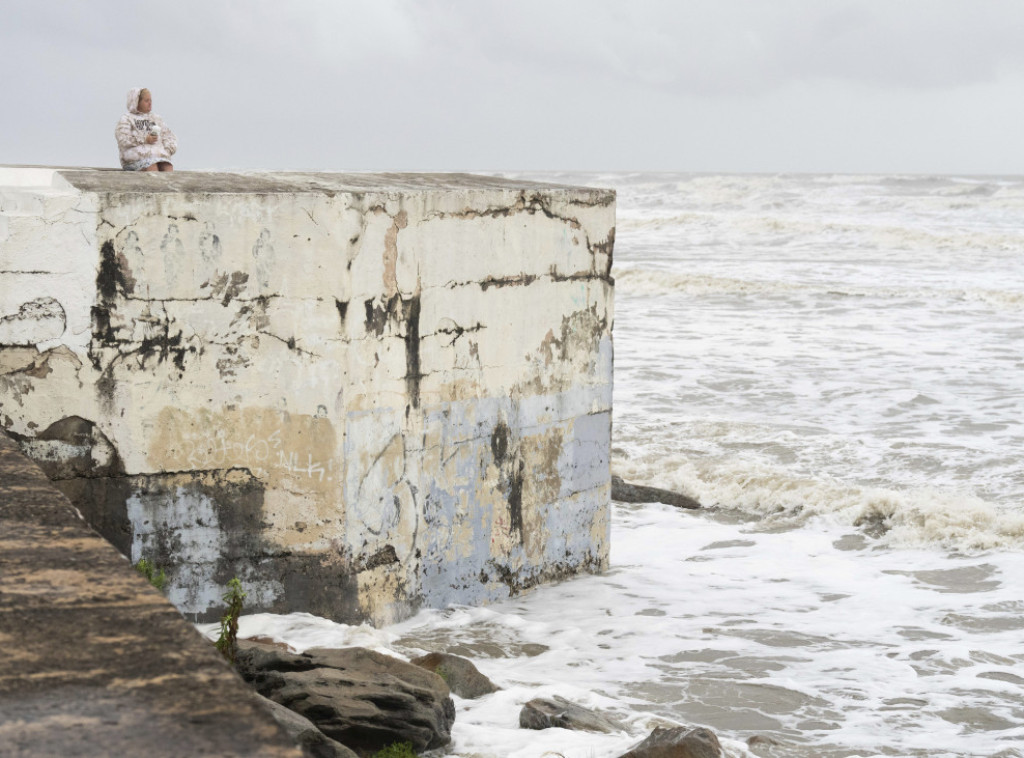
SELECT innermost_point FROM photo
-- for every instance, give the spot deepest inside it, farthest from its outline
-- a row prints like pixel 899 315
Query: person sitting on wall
pixel 145 142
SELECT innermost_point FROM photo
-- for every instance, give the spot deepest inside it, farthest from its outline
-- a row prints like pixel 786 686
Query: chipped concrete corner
pixel 360 394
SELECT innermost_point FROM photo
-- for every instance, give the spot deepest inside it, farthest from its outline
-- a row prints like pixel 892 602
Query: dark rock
pixel 270 641
pixel 314 743
pixel 363 699
pixel 761 745
pixel 460 674
pixel 541 713
pixel 678 742
pixel 625 492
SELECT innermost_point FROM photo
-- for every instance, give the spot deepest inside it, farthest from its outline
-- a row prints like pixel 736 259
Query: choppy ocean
pixel 834 366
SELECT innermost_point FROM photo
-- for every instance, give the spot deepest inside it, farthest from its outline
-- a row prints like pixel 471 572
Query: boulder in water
pixel 759 744
pixel 461 676
pixel 541 713
pixel 678 742
pixel 358 697
pixel 626 492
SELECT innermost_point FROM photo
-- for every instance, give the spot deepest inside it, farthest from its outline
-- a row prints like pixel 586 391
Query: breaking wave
pixel 773 229
pixel 914 518
pixel 642 281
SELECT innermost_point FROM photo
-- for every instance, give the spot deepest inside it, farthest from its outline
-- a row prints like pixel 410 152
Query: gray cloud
pixel 721 47
pixel 925 85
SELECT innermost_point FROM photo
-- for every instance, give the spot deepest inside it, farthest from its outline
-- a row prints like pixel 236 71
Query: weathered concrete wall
pixel 358 393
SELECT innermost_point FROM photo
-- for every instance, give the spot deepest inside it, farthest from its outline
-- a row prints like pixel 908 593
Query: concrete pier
pixel 362 394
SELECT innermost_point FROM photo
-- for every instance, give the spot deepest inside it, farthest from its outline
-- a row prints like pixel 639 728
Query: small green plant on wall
pixel 153 575
pixel 227 643
pixel 396 750
pixel 442 671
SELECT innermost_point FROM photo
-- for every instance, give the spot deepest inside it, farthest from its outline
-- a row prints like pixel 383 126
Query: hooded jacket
pixel 131 133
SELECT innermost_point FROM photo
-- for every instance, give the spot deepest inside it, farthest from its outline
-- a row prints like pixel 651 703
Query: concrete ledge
pixel 97 662
pixel 304 182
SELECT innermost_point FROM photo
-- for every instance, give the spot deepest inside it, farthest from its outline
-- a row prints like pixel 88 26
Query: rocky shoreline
pixel 354 702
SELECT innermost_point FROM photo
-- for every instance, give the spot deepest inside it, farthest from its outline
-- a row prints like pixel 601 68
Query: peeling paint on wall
pixel 36 322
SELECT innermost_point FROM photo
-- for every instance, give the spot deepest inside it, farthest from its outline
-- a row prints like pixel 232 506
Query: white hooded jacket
pixel 131 133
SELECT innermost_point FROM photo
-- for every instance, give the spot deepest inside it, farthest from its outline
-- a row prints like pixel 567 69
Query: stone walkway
pixel 97 662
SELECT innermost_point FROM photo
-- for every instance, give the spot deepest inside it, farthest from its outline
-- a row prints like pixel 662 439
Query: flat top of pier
pixel 266 182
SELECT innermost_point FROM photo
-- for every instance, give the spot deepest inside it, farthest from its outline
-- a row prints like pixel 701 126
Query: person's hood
pixel 133 99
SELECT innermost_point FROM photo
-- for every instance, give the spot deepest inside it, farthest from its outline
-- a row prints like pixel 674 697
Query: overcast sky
pixel 932 86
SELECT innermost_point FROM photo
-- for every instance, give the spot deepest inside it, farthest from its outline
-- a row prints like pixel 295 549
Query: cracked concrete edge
pixel 98 662
pixel 292 182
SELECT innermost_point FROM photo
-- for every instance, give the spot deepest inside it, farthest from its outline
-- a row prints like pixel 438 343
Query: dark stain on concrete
pixel 102 501
pixel 113 346
pixel 102 333
pixel 236 498
pixel 229 286
pixel 234 361
pixel 582 331
pixel 499 442
pixel 607 248
pixel 515 496
pixel 503 574
pixel 378 313
pixel 164 346
pixel 508 281
pixel 383 557
pixel 403 314
pixel 113 278
pixel 522 579
pixel 342 306
pixel 455 332
pixel 322 585
pixel 508 459
pixel 411 316
pixel 582 276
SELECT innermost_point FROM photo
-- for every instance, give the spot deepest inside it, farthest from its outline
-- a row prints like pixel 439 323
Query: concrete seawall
pixel 360 394
pixel 97 662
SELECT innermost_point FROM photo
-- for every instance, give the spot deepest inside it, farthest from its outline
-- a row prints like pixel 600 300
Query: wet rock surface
pixel 358 697
pixel 678 742
pixel 544 713
pixel 462 677
pixel 626 492
pixel 314 743
pixel 762 745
